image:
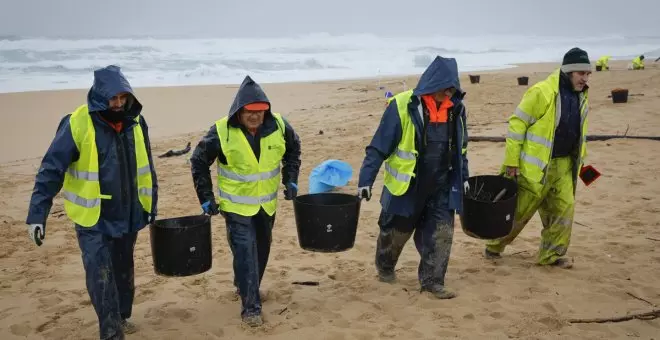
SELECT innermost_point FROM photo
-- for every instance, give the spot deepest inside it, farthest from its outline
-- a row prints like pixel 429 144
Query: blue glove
pixel 291 191
pixel 210 208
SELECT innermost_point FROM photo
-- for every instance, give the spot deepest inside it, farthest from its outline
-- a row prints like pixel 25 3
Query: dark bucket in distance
pixel 181 246
pixel 475 79
pixel 619 96
pixel 326 222
pixel 523 80
pixel 599 68
pixel 483 218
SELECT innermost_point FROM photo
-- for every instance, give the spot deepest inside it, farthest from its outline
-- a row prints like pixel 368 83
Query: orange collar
pixel 437 114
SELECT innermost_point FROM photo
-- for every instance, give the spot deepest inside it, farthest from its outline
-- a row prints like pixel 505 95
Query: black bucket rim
pixel 354 199
pixel 515 194
pixel 167 223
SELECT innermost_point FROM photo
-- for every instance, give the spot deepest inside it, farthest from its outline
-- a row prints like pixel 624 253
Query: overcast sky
pixel 265 18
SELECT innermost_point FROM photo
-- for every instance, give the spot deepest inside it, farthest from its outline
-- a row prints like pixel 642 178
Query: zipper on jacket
pixel 123 163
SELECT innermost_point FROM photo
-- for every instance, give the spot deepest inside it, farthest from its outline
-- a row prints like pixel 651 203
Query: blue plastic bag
pixel 328 175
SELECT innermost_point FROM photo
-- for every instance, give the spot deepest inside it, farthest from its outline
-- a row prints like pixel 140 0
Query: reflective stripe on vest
pixel 537 135
pixel 81 189
pixel 400 165
pixel 245 184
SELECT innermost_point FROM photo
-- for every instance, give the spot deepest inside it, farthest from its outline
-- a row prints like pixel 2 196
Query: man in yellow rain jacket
pixel 603 62
pixel 638 63
pixel 545 149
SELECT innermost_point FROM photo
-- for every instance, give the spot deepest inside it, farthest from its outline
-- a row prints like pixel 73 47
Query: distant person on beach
pixel 422 138
pixel 638 63
pixel 249 146
pixel 101 159
pixel 603 62
pixel 545 149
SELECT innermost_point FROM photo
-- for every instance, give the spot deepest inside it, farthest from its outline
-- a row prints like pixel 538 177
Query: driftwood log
pixel 640 316
pixel 172 153
pixel 589 138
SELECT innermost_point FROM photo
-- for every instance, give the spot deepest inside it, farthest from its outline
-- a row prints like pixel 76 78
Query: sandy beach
pixel 615 243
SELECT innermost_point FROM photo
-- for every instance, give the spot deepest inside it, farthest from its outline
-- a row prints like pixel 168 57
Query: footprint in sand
pixel 22 329
pixel 497 315
pixel 491 298
pixel 549 307
pixel 157 315
pixel 312 270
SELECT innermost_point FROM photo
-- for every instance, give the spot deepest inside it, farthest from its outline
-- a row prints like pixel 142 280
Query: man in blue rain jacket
pixel 253 149
pixel 101 160
pixel 422 138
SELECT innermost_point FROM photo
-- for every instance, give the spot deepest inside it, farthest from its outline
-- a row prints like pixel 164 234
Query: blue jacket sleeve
pixel 383 144
pixel 50 177
pixel 154 178
pixel 291 159
pixel 207 151
pixel 466 171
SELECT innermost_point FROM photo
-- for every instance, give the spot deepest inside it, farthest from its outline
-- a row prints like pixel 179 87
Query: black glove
pixel 152 218
pixel 210 208
pixel 291 191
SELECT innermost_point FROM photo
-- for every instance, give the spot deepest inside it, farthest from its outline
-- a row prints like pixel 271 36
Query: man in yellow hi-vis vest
pixel 253 148
pixel 638 63
pixel 101 160
pixel 422 139
pixel 545 149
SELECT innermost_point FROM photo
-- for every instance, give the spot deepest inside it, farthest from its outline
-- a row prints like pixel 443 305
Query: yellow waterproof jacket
pixel 532 127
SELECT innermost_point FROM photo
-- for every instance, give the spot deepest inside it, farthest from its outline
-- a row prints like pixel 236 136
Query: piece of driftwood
pixel 641 299
pixel 589 138
pixel 306 283
pixel 172 153
pixel 654 314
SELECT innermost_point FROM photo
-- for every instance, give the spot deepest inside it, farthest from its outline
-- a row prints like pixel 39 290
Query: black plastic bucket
pixel 326 222
pixel 484 219
pixel 181 246
pixel 599 68
pixel 523 80
pixel 475 79
pixel 620 96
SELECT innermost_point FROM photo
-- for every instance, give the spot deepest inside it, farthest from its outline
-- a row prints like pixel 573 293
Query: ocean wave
pixel 40 64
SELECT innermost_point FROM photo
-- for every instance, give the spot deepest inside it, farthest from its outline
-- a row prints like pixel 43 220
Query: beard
pixel 113 116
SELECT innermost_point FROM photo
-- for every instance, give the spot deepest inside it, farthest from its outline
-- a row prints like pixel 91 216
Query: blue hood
pixel 108 82
pixel 441 74
pixel 249 92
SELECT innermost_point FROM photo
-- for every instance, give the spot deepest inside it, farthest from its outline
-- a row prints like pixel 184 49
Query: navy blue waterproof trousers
pixel 432 222
pixel 249 238
pixel 109 270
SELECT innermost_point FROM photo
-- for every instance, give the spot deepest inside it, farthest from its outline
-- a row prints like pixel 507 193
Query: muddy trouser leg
pixel 124 270
pixel 96 251
pixel 433 239
pixel 557 211
pixel 264 228
pixel 395 231
pixel 231 249
pixel 243 237
pixel 529 199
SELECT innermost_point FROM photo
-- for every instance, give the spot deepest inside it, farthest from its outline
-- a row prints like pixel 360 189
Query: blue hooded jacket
pixel 117 165
pixel 441 74
pixel 209 149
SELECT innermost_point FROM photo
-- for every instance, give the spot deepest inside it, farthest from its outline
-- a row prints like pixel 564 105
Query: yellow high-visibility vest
pixel 247 184
pixel 400 165
pixel 82 189
pixel 532 126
